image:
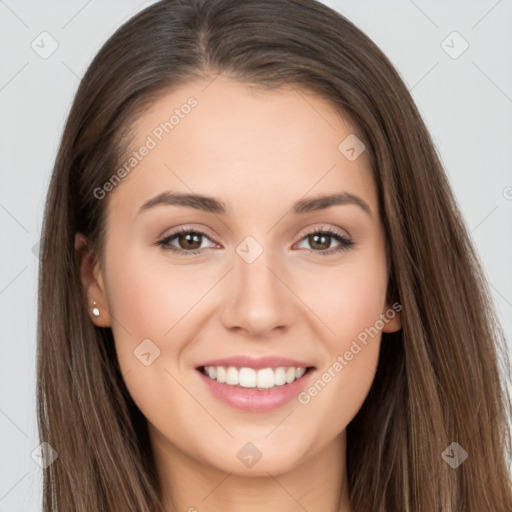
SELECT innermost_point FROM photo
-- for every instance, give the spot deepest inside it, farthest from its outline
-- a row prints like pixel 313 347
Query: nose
pixel 259 300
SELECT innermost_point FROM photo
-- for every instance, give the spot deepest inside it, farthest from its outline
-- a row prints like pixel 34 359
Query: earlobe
pixel 92 281
pixel 392 317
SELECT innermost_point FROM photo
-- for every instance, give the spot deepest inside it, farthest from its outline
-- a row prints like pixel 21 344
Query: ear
pixel 92 281
pixel 393 315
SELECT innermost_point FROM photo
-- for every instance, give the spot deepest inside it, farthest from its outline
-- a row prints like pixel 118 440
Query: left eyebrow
pixel 213 205
pixel 326 201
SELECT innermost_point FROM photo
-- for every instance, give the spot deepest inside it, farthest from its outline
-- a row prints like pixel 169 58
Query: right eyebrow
pixel 199 202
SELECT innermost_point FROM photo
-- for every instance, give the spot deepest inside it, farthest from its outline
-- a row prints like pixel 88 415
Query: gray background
pixel 465 101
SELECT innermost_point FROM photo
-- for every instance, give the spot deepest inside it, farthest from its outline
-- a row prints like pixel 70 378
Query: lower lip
pixel 255 400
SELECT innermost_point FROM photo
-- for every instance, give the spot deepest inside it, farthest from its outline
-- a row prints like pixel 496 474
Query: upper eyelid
pixel 180 231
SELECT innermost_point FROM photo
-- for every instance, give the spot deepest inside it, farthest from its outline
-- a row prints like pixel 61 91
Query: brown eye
pixel 184 242
pixel 189 240
pixel 320 242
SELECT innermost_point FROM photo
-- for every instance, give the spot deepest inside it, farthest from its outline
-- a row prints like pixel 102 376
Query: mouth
pixel 253 389
pixel 253 378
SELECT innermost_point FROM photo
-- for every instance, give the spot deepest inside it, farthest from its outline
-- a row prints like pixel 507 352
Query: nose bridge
pixel 258 300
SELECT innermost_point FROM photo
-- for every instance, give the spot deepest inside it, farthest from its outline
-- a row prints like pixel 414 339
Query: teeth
pixel 266 378
pixel 221 373
pixel 232 376
pixel 247 377
pixel 250 378
pixel 300 372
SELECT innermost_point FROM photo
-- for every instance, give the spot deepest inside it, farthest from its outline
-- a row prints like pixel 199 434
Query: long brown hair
pixel 438 378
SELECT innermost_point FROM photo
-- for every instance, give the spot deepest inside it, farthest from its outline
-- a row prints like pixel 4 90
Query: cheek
pixel 146 303
pixel 351 311
pixel 350 304
pixel 148 299
pixel 343 381
pixel 349 298
pixel 152 305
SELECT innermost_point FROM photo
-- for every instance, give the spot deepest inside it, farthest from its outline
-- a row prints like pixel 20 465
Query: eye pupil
pixel 319 245
pixel 189 240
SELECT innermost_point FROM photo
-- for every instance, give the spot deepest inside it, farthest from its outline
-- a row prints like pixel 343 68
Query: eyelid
pixel 324 227
pixel 196 228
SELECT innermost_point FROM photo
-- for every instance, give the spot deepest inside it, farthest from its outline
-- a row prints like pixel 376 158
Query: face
pixel 262 279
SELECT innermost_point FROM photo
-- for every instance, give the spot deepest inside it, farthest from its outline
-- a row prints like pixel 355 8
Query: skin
pixel 258 152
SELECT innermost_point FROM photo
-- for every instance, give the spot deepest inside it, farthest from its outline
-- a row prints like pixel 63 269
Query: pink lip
pixel 255 400
pixel 256 363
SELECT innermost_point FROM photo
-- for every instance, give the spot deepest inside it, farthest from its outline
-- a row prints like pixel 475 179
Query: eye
pixel 320 241
pixel 189 242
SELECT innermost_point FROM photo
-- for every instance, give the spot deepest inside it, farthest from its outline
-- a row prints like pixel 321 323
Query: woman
pixel 256 288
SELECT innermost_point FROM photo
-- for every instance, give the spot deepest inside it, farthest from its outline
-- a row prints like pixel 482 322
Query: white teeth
pixel 266 378
pixel 247 377
pixel 221 373
pixel 232 376
pixel 279 376
pixel 290 375
pixel 250 378
pixel 300 372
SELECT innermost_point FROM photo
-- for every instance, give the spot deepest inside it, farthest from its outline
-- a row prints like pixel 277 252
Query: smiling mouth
pixel 251 378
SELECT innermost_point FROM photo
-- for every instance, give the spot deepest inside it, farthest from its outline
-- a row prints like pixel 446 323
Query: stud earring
pixel 95 310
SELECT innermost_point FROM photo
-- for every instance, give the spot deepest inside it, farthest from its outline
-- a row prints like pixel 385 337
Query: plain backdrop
pixel 462 84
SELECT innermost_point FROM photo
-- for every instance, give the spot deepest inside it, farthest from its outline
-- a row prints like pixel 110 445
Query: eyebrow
pixel 216 206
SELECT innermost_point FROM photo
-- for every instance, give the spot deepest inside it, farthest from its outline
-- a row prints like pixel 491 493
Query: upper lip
pixel 247 361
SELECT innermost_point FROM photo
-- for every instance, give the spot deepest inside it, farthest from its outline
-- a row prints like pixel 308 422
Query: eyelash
pixel 345 243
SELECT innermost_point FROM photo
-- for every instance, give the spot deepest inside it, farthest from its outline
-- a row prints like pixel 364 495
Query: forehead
pixel 223 138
